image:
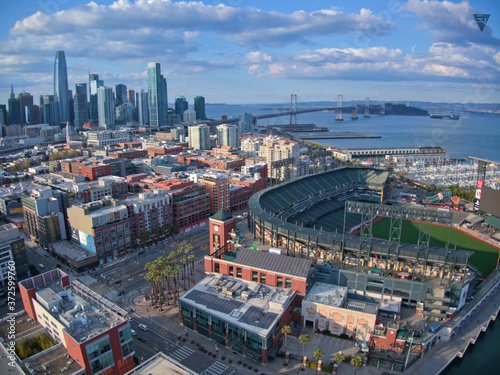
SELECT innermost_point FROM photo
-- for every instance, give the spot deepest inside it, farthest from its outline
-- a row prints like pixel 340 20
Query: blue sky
pixel 253 51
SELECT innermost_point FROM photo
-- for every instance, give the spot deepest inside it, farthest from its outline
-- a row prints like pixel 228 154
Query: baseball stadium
pixel 328 217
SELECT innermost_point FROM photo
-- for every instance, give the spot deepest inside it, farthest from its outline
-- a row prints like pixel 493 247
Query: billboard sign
pixel 463 297
pixel 478 194
pixel 479 184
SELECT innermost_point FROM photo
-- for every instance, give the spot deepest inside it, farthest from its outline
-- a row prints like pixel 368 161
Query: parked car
pixel 140 338
pixel 41 266
pixel 143 327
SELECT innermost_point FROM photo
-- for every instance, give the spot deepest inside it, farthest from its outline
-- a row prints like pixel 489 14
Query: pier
pixel 332 135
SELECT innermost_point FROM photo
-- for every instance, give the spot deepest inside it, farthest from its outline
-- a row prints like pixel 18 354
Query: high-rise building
pixel 94 84
pixel 81 105
pixel 227 135
pixel 189 116
pixel 218 191
pixel 25 100
pixel 121 93
pixel 199 137
pixel 181 105
pixel 143 108
pixel 61 86
pixel 131 96
pixel 275 149
pixel 199 107
pixel 157 95
pixel 106 108
pixel 12 252
pixel 14 108
pixel 4 120
pixel 245 123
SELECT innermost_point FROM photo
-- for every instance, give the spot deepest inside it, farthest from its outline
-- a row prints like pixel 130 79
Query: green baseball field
pixel 484 259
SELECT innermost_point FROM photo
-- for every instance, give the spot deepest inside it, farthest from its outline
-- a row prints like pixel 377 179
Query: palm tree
pixel 356 362
pixel 339 358
pixel 318 353
pixel 285 330
pixel 304 339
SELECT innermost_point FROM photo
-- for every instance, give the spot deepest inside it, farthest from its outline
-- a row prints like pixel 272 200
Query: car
pixel 134 333
pixel 41 266
pixel 140 338
pixel 143 327
pixel 58 265
pixel 120 293
pixel 129 319
pixel 118 282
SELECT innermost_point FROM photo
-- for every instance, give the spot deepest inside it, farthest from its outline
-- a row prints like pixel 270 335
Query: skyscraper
pixel 25 100
pixel 14 108
pixel 121 93
pixel 181 105
pixel 227 135
pixel 245 123
pixel 61 86
pixel 94 84
pixel 106 107
pixel 157 96
pixel 81 105
pixel 199 137
pixel 199 107
pixel 131 96
pixel 143 107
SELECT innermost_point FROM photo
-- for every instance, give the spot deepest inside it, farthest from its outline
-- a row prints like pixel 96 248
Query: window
pixel 288 283
pixel 279 281
pixel 262 278
pixel 255 276
pixel 239 272
pixel 216 267
pixel 231 271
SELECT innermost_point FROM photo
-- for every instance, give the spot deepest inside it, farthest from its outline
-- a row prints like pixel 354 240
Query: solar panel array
pixel 222 305
pixel 257 317
pixel 356 306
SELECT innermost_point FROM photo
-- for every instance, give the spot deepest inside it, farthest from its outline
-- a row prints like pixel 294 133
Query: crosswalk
pixel 217 368
pixel 182 353
pixel 112 296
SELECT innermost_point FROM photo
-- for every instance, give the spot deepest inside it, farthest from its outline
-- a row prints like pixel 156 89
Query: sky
pixel 256 51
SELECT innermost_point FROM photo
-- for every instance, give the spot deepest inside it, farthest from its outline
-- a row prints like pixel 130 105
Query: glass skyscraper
pixel 157 96
pixel 199 107
pixel 181 106
pixel 106 108
pixel 81 106
pixel 61 86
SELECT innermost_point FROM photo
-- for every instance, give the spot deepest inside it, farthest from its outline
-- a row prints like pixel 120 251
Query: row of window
pixel 258 277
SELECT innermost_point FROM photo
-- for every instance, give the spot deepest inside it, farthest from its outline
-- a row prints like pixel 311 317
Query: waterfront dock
pixel 333 135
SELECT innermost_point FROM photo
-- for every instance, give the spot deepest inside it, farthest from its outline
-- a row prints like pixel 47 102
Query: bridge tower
pixel 382 108
pixel 340 99
pixel 293 109
pixel 367 107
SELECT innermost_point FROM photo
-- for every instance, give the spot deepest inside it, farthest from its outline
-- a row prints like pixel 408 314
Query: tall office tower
pixel 181 105
pixel 131 96
pixel 157 95
pixel 3 114
pixel 227 135
pixel 189 116
pixel 121 93
pixel 245 123
pixel 33 115
pixel 199 107
pixel 143 107
pixel 48 99
pixel 94 84
pixel 71 106
pixel 14 108
pixel 61 86
pixel 106 108
pixel 81 105
pixel 25 100
pixel 199 137
pixel 51 113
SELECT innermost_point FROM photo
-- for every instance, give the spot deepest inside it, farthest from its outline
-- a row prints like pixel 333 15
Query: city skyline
pixel 408 50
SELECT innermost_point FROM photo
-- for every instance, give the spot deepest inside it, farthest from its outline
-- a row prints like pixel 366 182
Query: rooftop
pixel 160 364
pixel 273 262
pixel 327 294
pixel 71 250
pixel 252 306
pixel 84 313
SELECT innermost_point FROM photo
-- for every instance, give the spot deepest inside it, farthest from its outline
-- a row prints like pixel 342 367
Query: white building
pixel 189 116
pixel 227 135
pixel 105 107
pixel 251 146
pixel 245 123
pixel 104 138
pixel 274 149
pixel 199 137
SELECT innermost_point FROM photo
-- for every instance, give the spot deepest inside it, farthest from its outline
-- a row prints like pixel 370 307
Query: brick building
pixel 130 153
pixel 92 329
pixel 156 151
pixel 218 190
pixel 238 197
pixel 90 169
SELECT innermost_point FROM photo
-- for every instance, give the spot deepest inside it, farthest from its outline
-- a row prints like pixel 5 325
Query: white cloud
pixel 451 22
pixel 443 61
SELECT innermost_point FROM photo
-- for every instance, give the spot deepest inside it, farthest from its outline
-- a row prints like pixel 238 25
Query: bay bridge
pixel 294 111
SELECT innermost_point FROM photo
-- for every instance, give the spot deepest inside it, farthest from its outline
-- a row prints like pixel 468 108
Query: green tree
pixel 318 353
pixel 356 362
pixel 304 339
pixel 339 357
pixel 285 330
